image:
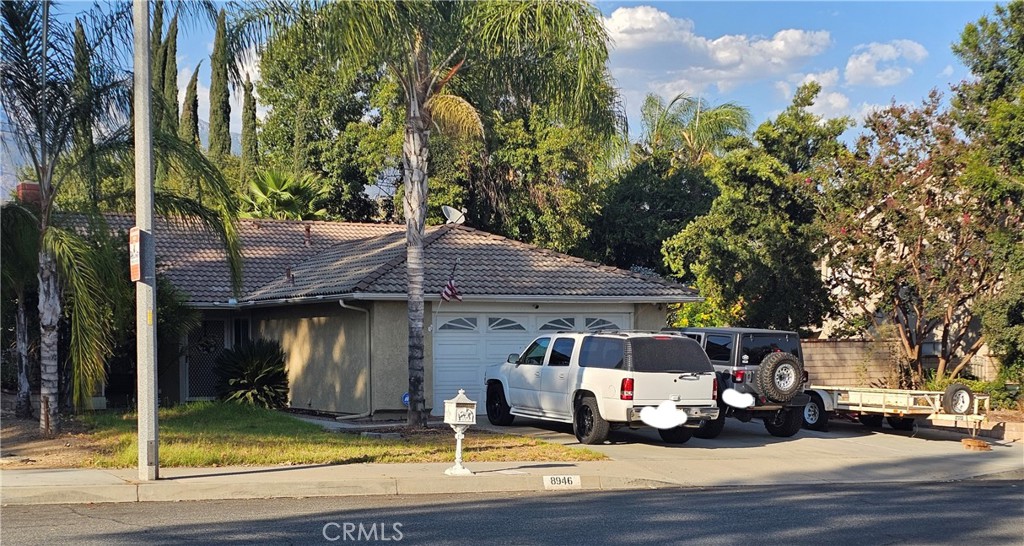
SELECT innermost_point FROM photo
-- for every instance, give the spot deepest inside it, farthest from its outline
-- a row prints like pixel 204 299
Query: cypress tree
pixel 170 88
pixel 250 145
pixel 156 35
pixel 188 129
pixel 220 105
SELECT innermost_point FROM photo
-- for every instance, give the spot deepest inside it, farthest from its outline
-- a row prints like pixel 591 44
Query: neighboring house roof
pixel 287 261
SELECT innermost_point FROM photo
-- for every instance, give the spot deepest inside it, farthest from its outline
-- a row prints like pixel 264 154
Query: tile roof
pixel 369 259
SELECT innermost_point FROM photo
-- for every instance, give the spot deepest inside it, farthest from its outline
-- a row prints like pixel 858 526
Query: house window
pixel 594 324
pixel 559 324
pixel 461 323
pixel 495 324
pixel 241 331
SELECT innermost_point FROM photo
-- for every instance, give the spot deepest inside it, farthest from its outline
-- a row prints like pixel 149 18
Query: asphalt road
pixel 989 512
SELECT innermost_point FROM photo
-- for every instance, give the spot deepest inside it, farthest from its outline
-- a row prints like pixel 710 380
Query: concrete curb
pixel 199 488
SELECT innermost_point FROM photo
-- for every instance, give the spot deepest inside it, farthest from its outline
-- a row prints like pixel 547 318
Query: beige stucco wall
pixel 649 316
pixel 390 347
pixel 326 355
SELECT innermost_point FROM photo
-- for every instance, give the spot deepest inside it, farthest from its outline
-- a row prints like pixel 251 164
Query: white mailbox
pixel 459 413
pixel 460 410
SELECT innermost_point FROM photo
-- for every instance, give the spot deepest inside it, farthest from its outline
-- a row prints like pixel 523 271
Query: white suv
pixel 601 381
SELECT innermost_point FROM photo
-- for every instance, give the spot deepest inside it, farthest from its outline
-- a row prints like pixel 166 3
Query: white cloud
pixel 946 72
pixel 655 52
pixel 785 90
pixel 830 104
pixel 879 64
pixel 829 78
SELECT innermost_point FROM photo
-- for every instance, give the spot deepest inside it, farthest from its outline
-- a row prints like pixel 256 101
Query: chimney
pixel 28 193
pixel 308 240
pixel 288 275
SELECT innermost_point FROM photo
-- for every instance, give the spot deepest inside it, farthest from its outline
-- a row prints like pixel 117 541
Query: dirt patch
pixel 22 445
pixel 1006 416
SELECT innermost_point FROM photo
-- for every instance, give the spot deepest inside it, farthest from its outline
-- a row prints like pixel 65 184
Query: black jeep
pixel 767 364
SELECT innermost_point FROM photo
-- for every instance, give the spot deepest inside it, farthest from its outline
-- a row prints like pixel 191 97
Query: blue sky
pixel 865 54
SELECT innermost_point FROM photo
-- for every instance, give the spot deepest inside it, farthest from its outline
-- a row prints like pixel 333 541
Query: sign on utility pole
pixel 145 287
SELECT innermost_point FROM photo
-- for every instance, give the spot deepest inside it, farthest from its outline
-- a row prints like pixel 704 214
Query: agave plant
pixel 254 374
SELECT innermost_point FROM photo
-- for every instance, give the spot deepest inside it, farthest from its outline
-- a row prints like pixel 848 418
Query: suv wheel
pixel 779 377
pixel 587 423
pixel 710 429
pixel 784 423
pixel 498 412
pixel 678 435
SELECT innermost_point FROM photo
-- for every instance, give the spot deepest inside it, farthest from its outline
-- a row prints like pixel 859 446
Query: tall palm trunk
pixel 49 316
pixel 23 405
pixel 415 159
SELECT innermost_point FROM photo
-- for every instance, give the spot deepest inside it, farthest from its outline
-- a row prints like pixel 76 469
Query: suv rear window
pixel 601 352
pixel 668 354
pixel 758 346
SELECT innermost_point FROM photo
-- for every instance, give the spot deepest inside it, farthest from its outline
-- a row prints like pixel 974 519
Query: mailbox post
pixel 460 413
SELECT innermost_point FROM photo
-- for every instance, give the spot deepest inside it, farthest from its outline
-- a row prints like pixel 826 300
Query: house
pixel 334 295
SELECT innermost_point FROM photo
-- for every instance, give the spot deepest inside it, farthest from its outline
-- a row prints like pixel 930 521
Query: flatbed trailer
pixel 899 407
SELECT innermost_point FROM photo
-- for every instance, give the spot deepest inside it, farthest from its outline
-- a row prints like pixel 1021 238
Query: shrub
pixel 254 373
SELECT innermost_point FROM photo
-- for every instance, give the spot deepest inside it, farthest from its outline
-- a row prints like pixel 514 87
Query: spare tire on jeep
pixel 779 377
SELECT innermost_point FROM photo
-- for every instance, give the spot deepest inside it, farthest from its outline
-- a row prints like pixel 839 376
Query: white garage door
pixel 466 343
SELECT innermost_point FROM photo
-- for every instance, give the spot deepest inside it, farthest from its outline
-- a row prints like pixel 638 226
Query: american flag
pixel 450 290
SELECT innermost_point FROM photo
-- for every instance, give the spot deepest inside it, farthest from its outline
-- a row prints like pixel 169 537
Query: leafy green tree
pixel 323 121
pixel 991 107
pixel 220 103
pixel 554 47
pixel 920 227
pixel 250 146
pixel 752 255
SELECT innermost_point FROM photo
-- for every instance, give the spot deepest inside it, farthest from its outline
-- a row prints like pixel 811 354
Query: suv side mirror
pixel 512 359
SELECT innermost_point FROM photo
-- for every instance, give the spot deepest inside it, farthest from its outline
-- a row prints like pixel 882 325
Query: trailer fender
pixel 826 398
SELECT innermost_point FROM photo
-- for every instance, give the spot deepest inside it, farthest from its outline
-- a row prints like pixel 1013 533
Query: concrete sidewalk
pixel 705 469
pixel 744 455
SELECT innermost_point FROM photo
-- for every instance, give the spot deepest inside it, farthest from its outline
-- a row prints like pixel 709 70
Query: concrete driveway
pixel 745 454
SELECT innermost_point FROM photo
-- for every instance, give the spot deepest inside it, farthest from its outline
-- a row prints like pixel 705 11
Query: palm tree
pixel 689 129
pixel 274 194
pixel 38 93
pixel 554 48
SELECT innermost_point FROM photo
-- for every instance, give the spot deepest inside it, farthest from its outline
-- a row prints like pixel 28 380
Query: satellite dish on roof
pixel 453 215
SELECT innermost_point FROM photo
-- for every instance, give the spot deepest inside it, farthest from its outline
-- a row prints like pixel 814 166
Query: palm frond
pixel 91 338
pixel 189 212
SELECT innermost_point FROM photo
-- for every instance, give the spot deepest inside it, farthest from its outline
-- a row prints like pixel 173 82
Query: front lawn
pixel 223 434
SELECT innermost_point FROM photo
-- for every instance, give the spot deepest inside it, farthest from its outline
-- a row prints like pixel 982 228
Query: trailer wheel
pixel 815 416
pixel 870 420
pixel 958 399
pixel 779 377
pixel 900 423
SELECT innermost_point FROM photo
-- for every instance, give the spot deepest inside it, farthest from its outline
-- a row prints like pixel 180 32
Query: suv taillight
pixel 738 375
pixel 626 392
pixel 714 389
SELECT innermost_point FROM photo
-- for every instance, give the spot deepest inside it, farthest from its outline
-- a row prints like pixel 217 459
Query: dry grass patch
pixel 221 434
